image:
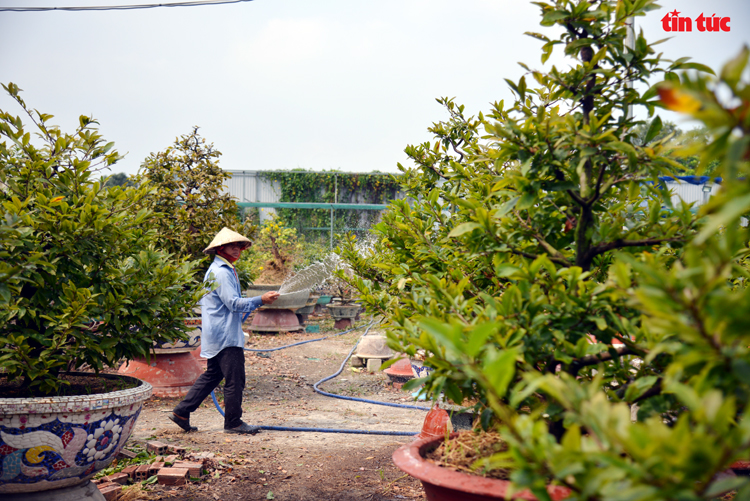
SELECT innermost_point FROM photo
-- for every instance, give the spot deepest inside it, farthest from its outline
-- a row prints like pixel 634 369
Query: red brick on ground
pixel 130 471
pixel 109 490
pixel 193 467
pixel 125 454
pixel 156 447
pixel 176 449
pixel 202 461
pixel 118 478
pixel 170 459
pixel 141 473
pixel 173 476
pixel 155 467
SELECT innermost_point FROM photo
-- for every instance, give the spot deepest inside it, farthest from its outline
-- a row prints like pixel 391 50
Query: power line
pixel 122 7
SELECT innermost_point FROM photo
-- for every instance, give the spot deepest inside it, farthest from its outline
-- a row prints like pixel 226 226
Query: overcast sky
pixel 282 84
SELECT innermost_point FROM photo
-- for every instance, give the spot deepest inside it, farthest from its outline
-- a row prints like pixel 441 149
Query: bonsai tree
pixel 188 185
pixel 555 287
pixel 342 291
pixel 82 281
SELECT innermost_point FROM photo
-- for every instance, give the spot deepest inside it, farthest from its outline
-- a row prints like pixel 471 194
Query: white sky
pixel 281 84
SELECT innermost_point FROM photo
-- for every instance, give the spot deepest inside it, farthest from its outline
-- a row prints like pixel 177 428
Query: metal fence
pixel 254 191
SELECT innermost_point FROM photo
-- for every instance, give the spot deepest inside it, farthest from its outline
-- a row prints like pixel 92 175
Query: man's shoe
pixel 243 428
pixel 182 422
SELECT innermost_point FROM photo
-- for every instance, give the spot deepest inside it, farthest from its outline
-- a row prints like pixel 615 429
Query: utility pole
pixel 630 46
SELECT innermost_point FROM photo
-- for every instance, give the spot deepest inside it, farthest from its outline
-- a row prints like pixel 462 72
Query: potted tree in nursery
pixel 598 330
pixel 342 306
pixel 82 287
pixel 187 184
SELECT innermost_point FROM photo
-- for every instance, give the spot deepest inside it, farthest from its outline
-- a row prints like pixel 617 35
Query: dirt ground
pixel 292 465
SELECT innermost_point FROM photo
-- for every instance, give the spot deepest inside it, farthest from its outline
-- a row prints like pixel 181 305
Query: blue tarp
pixel 689 179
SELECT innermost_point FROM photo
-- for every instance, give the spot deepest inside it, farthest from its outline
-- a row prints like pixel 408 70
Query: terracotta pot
pixel 56 444
pixel 169 375
pixel 173 367
pixel 202 362
pixel 400 372
pixel 275 320
pixel 436 423
pixel 444 484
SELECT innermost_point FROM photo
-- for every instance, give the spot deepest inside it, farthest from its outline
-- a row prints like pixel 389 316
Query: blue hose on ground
pixel 308 341
pixel 322 430
pixel 315 387
pixel 355 399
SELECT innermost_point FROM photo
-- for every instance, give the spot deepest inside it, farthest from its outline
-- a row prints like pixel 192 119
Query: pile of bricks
pixel 172 469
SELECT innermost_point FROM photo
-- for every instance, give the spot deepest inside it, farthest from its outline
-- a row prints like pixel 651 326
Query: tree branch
pixel 619 244
pixel 579 364
pixel 553 253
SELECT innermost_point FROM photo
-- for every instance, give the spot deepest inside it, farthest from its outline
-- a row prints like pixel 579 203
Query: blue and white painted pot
pixel 193 342
pixel 56 442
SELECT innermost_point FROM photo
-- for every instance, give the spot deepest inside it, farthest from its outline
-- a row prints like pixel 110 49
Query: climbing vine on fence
pixel 300 185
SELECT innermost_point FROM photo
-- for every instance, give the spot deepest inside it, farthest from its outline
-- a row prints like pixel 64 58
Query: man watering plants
pixel 222 339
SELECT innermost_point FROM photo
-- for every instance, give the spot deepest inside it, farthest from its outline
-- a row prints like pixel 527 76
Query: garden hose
pixel 326 394
pixel 308 341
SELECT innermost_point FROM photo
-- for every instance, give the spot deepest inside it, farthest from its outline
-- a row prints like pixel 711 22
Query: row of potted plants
pixel 599 328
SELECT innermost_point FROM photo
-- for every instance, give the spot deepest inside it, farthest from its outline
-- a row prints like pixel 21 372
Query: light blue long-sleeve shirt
pixel 221 310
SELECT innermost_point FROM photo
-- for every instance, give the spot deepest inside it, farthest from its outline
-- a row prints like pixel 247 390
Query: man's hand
pixel 269 297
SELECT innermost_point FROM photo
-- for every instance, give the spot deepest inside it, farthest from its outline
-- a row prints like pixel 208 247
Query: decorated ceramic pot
pixel 51 443
pixel 339 311
pixel 193 342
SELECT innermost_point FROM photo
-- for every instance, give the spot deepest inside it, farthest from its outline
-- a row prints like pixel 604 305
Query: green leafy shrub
pixel 187 195
pixel 277 252
pixel 554 287
pixel 82 281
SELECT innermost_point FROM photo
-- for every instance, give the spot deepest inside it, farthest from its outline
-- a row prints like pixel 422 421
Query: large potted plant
pixel 82 286
pixel 552 284
pixel 342 307
pixel 187 184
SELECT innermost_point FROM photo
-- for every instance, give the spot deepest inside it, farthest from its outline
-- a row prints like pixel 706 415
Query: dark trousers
pixel 229 365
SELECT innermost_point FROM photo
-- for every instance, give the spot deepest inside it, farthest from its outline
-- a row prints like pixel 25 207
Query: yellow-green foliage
pixel 551 283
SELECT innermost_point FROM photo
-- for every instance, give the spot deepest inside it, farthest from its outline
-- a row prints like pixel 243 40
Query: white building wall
pixel 247 186
pixel 689 192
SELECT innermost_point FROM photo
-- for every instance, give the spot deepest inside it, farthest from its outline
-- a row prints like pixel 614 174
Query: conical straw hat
pixel 226 236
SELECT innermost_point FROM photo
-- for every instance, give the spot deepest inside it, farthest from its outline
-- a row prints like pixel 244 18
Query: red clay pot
pixel 436 423
pixel 400 372
pixel 742 465
pixel 444 484
pixel 203 362
pixel 275 320
pixel 170 375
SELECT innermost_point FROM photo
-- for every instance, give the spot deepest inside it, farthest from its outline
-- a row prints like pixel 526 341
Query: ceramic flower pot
pixel 186 346
pixel 57 444
pixel 339 311
pixel 444 484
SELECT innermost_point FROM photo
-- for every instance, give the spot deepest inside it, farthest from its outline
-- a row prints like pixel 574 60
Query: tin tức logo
pixel 674 22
